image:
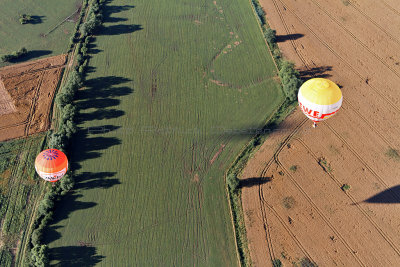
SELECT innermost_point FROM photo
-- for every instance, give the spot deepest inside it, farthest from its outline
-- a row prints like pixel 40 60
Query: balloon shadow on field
pixel 286 37
pixel 75 256
pixel 388 196
pixel 255 132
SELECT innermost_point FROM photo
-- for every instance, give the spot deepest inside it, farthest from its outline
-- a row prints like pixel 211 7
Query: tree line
pixel 290 77
pixel 14 55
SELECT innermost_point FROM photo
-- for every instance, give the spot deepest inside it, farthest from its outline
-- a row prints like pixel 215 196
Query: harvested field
pixel 325 222
pixel 26 94
pixel 6 104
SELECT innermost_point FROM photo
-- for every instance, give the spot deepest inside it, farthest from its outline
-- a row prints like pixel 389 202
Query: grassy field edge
pixel 233 187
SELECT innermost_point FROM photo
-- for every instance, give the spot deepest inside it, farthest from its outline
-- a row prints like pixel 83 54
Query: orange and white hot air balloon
pixel 319 99
pixel 51 164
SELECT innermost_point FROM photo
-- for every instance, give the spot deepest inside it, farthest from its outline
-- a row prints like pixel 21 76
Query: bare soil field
pixel 26 93
pixel 300 209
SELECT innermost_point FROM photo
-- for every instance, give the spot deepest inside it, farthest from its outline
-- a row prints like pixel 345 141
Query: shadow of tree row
pixel 96 102
pixel 75 256
pixel 119 28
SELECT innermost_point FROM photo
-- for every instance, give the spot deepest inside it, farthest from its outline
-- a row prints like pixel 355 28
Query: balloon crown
pixel 50 154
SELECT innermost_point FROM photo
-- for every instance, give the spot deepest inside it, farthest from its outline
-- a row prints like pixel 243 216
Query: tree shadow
pixel 90 180
pixel 31 55
pixel 75 256
pixel 100 114
pixel 114 9
pixel 69 204
pixel 99 95
pixel 109 19
pixel 286 37
pixel 120 29
pixel 36 19
pixel 103 87
pixel 254 181
pixel 98 103
pixel 51 234
pixel 317 72
pixel 102 129
pixel 389 196
pixel 89 147
pixel 92 47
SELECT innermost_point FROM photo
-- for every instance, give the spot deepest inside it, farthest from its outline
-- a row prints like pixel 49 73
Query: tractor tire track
pixel 359 157
pixel 13 181
pixel 264 203
pixel 354 37
pixel 354 201
pixel 374 22
pixel 282 221
pixel 393 105
pixel 320 213
pixel 306 65
pixel 390 7
pixel 33 106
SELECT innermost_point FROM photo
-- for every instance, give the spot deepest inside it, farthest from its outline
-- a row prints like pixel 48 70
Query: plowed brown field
pixel 299 210
pixel 26 94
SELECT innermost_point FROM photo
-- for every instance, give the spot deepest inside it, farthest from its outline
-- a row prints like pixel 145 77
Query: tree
pixel 24 18
pixel 39 255
pixel 233 182
pixel 68 112
pixel 289 78
pixel 45 206
pixel 67 183
pixel 270 35
pixel 14 55
pixel 36 237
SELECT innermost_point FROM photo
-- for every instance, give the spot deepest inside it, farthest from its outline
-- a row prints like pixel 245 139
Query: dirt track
pixel 304 213
pixel 27 92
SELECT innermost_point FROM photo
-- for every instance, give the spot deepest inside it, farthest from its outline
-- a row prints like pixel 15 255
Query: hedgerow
pixel 66 128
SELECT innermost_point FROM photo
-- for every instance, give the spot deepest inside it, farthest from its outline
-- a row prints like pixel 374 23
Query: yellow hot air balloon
pixel 319 99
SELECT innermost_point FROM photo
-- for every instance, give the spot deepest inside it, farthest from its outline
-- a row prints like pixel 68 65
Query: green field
pixel 164 113
pixel 47 15
pixel 19 193
pixel 20 189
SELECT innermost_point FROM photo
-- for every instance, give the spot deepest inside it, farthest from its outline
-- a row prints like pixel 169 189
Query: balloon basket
pixel 314 125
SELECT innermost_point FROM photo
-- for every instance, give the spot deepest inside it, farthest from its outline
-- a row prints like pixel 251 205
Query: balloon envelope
pixel 51 164
pixel 319 99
